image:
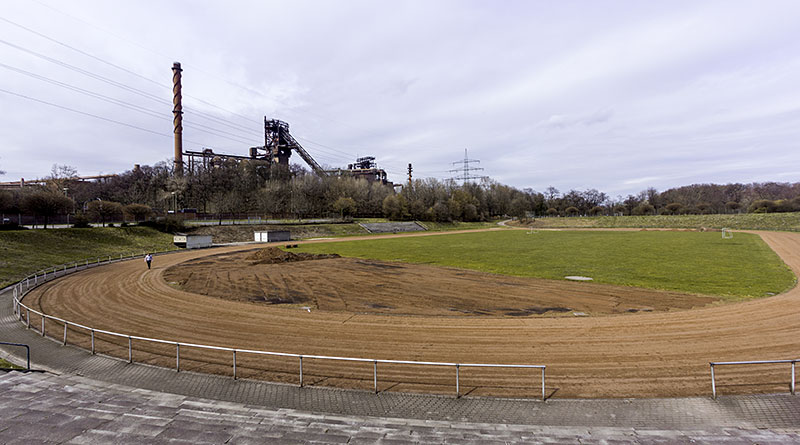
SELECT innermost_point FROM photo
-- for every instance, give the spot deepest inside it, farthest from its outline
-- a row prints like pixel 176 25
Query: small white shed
pixel 191 241
pixel 272 236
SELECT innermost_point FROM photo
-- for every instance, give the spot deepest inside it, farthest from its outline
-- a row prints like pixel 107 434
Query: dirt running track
pixel 634 355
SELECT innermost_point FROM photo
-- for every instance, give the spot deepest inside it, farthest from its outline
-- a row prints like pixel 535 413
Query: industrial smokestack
pixel 177 119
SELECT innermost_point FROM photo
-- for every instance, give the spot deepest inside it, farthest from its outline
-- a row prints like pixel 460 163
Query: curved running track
pixel 637 355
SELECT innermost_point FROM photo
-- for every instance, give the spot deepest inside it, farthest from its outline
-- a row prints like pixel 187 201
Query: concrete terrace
pixel 81 398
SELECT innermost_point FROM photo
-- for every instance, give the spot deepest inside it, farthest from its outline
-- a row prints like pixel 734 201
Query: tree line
pixel 252 187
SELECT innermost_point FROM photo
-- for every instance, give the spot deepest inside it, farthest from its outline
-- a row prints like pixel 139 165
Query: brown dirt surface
pixel 657 354
pixel 330 283
pixel 274 255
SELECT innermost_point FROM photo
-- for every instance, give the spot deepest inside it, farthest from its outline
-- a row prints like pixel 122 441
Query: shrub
pixel 552 212
pixel 166 225
pixel 644 209
pixel 762 206
pixel 674 208
pixel 103 210
pixel 596 210
pixel 12 226
pixel 572 211
pixel 137 211
pixel 80 221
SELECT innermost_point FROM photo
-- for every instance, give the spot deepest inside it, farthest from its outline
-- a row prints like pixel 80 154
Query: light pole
pixel 174 203
pixel 66 189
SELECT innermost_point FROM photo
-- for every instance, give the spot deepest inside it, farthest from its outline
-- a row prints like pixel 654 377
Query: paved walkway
pixel 220 404
pixel 44 408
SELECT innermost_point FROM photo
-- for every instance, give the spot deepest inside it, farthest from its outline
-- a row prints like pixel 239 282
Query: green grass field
pixel 751 221
pixel 24 251
pixel 698 262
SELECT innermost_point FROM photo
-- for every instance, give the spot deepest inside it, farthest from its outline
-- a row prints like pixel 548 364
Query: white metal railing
pixel 22 287
pixel 753 362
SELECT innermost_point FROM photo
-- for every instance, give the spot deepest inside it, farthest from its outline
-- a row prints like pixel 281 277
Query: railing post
pixel 93 341
pixel 234 364
pixel 43 318
pixel 301 371
pixel 130 349
pixel 375 375
pixel 65 332
pixel 458 393
pixel 177 357
pixel 793 377
pixel 713 383
pixel 28 318
pixel 543 393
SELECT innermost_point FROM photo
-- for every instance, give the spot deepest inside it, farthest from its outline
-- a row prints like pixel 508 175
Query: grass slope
pixel 244 232
pixel 25 251
pixel 682 261
pixel 752 221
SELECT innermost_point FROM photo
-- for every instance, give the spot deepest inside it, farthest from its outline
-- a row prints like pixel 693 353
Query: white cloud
pixel 616 96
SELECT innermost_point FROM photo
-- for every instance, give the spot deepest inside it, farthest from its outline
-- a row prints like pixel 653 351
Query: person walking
pixel 148 259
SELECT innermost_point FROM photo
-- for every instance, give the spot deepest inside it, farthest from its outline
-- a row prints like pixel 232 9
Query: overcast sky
pixel 612 95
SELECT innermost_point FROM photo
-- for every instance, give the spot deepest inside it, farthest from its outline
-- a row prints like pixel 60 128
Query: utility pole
pixel 177 119
pixel 466 169
pixel 409 173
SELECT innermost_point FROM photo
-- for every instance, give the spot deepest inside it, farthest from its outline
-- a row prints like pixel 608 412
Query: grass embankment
pixel 244 232
pixel 24 251
pixel 681 261
pixel 744 221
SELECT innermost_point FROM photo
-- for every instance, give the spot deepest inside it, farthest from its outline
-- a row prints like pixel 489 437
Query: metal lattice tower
pixel 466 169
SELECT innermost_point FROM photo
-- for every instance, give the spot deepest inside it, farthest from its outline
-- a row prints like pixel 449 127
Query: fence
pixel 23 286
pixel 755 362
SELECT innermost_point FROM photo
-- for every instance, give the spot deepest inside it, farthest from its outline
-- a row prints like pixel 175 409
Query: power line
pixel 225 122
pixel 83 91
pixel 200 127
pixel 91 115
pixel 109 99
pixel 101 60
pixel 88 73
pixel 196 68
pixel 58 42
pixel 218 120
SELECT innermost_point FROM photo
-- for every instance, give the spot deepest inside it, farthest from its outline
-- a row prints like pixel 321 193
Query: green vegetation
pixel 682 261
pixel 458 225
pixel 8 365
pixel 25 251
pixel 244 232
pixel 751 221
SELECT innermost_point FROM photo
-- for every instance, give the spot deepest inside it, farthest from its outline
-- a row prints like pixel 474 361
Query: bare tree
pixel 137 211
pixel 104 210
pixel 47 203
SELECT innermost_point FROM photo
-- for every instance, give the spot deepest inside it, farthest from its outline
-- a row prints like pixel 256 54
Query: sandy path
pixel 635 355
